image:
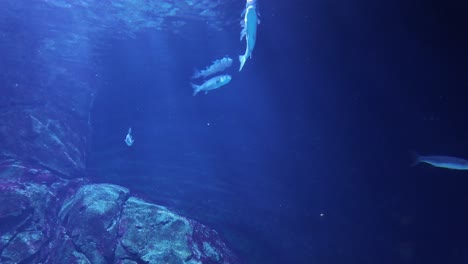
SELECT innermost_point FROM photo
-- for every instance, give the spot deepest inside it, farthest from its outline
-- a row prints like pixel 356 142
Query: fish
pixel 213 83
pixel 129 139
pixel 249 30
pixel 446 162
pixel 217 66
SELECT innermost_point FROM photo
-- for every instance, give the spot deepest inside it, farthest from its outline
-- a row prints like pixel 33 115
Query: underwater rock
pixel 45 135
pixel 153 234
pixel 29 202
pixel 91 218
pixel 47 219
pixel 23 245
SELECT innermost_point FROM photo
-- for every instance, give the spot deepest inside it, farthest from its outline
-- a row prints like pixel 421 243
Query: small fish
pixel 249 30
pixel 216 66
pixel 446 162
pixel 213 83
pixel 129 139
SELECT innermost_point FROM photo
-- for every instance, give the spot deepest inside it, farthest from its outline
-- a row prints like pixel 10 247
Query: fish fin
pixel 196 89
pixel 243 32
pixel 243 12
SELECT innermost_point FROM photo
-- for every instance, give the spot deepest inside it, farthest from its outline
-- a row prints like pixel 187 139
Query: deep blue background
pixel 322 120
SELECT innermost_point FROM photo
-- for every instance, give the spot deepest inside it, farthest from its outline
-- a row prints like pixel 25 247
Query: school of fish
pixel 249 24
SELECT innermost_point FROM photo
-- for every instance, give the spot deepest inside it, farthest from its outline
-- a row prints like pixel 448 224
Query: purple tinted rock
pixel 153 234
pixel 62 250
pixel 91 219
pixel 24 211
pixel 208 246
pixel 23 246
pixel 14 203
pixel 29 203
pixel 126 261
pixel 47 219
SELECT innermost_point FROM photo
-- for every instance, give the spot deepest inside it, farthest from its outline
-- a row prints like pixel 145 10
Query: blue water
pixel 304 156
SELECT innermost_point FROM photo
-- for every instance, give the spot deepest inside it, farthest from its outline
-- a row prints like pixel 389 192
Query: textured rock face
pixel 46 219
pixel 153 233
pixel 42 133
pixel 91 219
pixel 44 104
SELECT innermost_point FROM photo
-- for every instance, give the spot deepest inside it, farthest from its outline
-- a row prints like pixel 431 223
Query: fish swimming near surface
pixel 249 30
pixel 446 162
pixel 213 83
pixel 129 139
pixel 215 67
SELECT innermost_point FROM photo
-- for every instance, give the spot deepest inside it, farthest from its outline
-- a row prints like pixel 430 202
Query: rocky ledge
pixel 47 219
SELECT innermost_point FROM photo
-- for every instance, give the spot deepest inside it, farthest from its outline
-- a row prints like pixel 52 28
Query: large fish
pixel 446 162
pixel 213 83
pixel 249 30
pixel 216 66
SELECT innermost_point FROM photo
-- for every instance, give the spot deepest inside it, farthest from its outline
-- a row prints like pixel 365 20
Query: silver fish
pixel 216 66
pixel 446 162
pixel 249 30
pixel 213 83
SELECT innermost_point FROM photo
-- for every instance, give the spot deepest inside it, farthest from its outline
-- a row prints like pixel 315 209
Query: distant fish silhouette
pixel 129 139
pixel 446 162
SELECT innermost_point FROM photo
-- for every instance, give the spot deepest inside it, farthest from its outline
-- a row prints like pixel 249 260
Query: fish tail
pixel 242 59
pixel 196 89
